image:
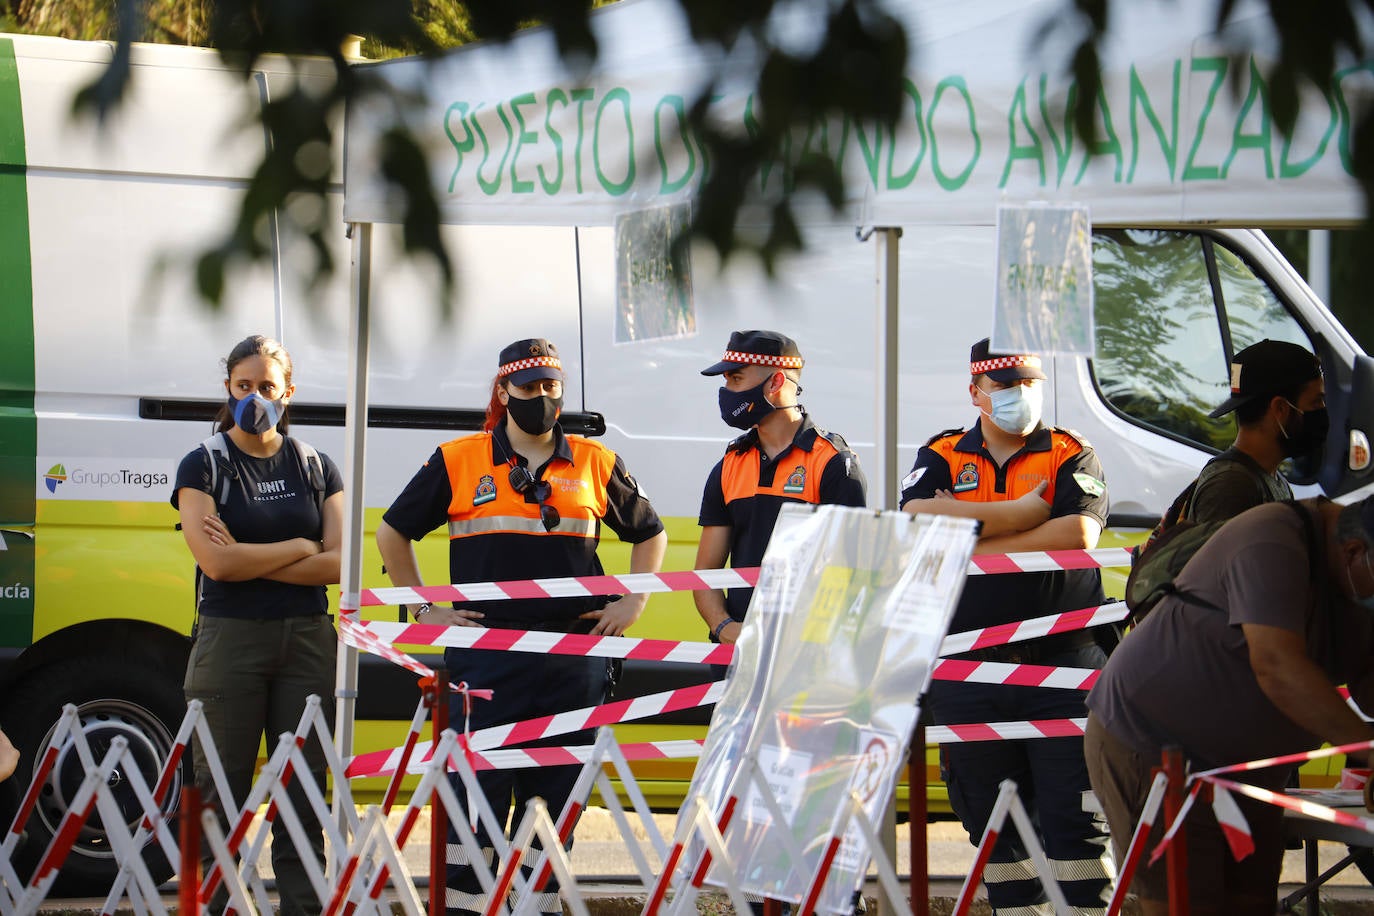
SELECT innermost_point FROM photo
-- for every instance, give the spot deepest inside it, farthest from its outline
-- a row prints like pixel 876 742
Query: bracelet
pixel 715 631
pixel 421 609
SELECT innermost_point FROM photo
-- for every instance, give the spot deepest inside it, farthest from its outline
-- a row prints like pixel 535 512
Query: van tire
pixel 114 699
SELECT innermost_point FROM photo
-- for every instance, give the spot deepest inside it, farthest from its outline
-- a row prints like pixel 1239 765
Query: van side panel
pixel 18 432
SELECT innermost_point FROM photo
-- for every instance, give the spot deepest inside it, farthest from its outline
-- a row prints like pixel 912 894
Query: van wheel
pixel 140 704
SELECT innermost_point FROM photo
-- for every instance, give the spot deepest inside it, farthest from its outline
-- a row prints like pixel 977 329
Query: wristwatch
pixel 416 610
pixel 715 631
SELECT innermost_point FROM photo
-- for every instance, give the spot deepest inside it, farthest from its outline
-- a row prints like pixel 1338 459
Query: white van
pixel 110 371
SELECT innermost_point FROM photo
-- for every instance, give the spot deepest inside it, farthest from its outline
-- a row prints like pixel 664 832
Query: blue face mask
pixel 744 409
pixel 255 414
pixel 1017 409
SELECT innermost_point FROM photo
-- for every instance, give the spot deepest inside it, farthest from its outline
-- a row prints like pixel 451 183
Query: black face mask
pixel 744 409
pixel 1310 436
pixel 534 416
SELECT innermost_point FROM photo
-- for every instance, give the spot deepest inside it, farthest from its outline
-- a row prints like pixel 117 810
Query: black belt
pixel 1031 651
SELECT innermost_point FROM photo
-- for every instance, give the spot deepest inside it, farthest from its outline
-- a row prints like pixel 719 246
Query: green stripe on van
pixel 18 426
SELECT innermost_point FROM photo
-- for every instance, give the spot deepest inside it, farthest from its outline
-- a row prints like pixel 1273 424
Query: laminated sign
pixel 1044 298
pixel 653 275
pixel 842 633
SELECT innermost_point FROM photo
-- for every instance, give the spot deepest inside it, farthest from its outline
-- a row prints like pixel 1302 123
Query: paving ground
pixel 600 854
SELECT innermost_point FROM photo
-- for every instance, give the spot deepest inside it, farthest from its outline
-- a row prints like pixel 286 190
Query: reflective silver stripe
pixel 494 524
pixel 457 854
pixel 1038 909
pixel 997 872
pixel 458 900
pixel 1081 869
pixel 546 902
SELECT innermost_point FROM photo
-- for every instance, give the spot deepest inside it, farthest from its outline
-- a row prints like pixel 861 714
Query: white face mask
pixel 1017 409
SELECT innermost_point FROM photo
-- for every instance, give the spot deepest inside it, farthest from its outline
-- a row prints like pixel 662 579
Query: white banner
pixel 1185 132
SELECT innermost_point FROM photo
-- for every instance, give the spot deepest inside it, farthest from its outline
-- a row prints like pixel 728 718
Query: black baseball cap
pixel 526 360
pixel 1266 369
pixel 758 348
pixel 1002 367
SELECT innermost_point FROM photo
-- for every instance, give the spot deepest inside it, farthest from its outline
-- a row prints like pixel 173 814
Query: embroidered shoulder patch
pixel 1089 484
pixel 913 478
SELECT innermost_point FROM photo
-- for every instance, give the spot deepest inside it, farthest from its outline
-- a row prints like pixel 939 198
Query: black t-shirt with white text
pixel 269 500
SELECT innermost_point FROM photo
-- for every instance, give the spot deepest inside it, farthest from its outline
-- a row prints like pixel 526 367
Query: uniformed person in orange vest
pixel 1034 487
pixel 522 500
pixel 782 457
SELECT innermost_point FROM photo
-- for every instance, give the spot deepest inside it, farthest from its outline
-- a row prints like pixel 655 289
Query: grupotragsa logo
pixel 56 474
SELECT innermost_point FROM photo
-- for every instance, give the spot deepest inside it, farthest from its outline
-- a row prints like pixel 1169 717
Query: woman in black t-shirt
pixel 263 515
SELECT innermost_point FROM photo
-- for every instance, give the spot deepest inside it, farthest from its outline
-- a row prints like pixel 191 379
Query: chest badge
pixel 485 492
pixel 796 481
pixel 967 478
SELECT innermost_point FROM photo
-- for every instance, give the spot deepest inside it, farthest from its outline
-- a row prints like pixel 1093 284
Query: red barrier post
pixel 188 881
pixel 1176 856
pixel 436 697
pixel 917 810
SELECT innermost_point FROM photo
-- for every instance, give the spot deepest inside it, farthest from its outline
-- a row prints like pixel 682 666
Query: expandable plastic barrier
pixel 364 860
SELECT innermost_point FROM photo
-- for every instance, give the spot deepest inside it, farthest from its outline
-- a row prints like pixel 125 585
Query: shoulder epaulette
pixel 957 431
pixel 834 439
pixel 584 440
pixel 1073 434
pixel 744 442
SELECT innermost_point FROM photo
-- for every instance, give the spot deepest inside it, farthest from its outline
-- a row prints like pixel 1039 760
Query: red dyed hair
pixel 496 411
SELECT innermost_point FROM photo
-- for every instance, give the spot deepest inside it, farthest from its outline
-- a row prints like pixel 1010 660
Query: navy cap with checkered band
pixel 758 348
pixel 526 360
pixel 1002 367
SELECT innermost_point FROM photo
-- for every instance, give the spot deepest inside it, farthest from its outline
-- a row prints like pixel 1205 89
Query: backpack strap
pixel 312 468
pixel 222 469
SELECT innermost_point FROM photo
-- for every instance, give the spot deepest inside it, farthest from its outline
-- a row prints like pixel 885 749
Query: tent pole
pixel 885 361
pixel 886 241
pixel 355 435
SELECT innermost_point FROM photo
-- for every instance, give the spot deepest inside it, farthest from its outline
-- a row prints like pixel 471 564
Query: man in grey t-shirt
pixel 1240 664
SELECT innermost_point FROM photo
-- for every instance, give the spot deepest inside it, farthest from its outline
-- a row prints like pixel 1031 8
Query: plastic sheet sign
pixel 842 633
pixel 653 275
pixel 1044 299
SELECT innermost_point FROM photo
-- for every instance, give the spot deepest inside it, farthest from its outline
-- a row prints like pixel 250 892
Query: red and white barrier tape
pixel 1236 822
pixel 514 758
pixel 379 762
pixel 1035 627
pixel 1301 757
pixel 377 636
pixel 1006 731
pixel 566 587
pixel 1048 560
pixel 359 636
pixel 659 650
pixel 699 579
pixel 383 763
pixel 1302 806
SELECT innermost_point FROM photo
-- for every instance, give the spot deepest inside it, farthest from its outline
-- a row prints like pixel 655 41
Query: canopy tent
pixel 513 139
pixel 1185 133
